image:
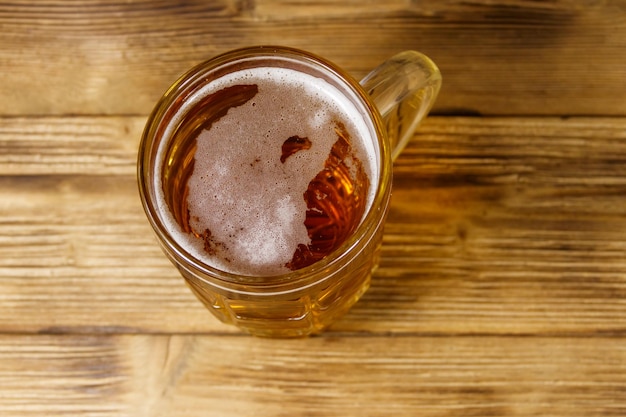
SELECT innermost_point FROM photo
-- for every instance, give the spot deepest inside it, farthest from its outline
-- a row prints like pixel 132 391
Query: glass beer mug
pixel 266 174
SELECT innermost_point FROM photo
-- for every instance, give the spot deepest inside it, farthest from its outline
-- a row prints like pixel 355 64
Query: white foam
pixel 262 223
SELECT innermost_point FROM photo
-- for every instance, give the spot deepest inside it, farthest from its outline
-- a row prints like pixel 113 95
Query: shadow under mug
pixel 392 100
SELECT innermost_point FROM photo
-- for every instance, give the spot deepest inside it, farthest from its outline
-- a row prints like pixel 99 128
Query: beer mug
pixel 266 174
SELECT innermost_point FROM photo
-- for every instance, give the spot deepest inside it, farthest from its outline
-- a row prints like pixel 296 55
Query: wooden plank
pixel 510 57
pixel 69 145
pixel 162 375
pixel 497 226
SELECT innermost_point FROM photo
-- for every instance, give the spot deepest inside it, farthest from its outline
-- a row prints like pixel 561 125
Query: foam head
pixel 254 164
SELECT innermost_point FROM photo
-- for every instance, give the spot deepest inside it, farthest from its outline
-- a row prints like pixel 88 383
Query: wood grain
pixel 502 288
pixel 163 375
pixel 497 226
pixel 32 146
pixel 512 57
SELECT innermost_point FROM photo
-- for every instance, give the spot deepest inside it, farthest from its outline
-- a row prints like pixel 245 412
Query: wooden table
pixel 502 289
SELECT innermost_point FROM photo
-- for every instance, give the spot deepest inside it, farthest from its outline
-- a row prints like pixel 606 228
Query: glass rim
pixel 369 223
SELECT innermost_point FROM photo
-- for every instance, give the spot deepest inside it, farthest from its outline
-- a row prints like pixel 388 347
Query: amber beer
pixel 266 177
pixel 267 171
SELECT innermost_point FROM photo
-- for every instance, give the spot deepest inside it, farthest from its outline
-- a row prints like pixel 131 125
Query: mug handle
pixel 404 89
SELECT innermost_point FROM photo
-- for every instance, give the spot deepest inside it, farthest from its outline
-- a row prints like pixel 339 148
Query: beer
pixel 266 175
pixel 264 171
